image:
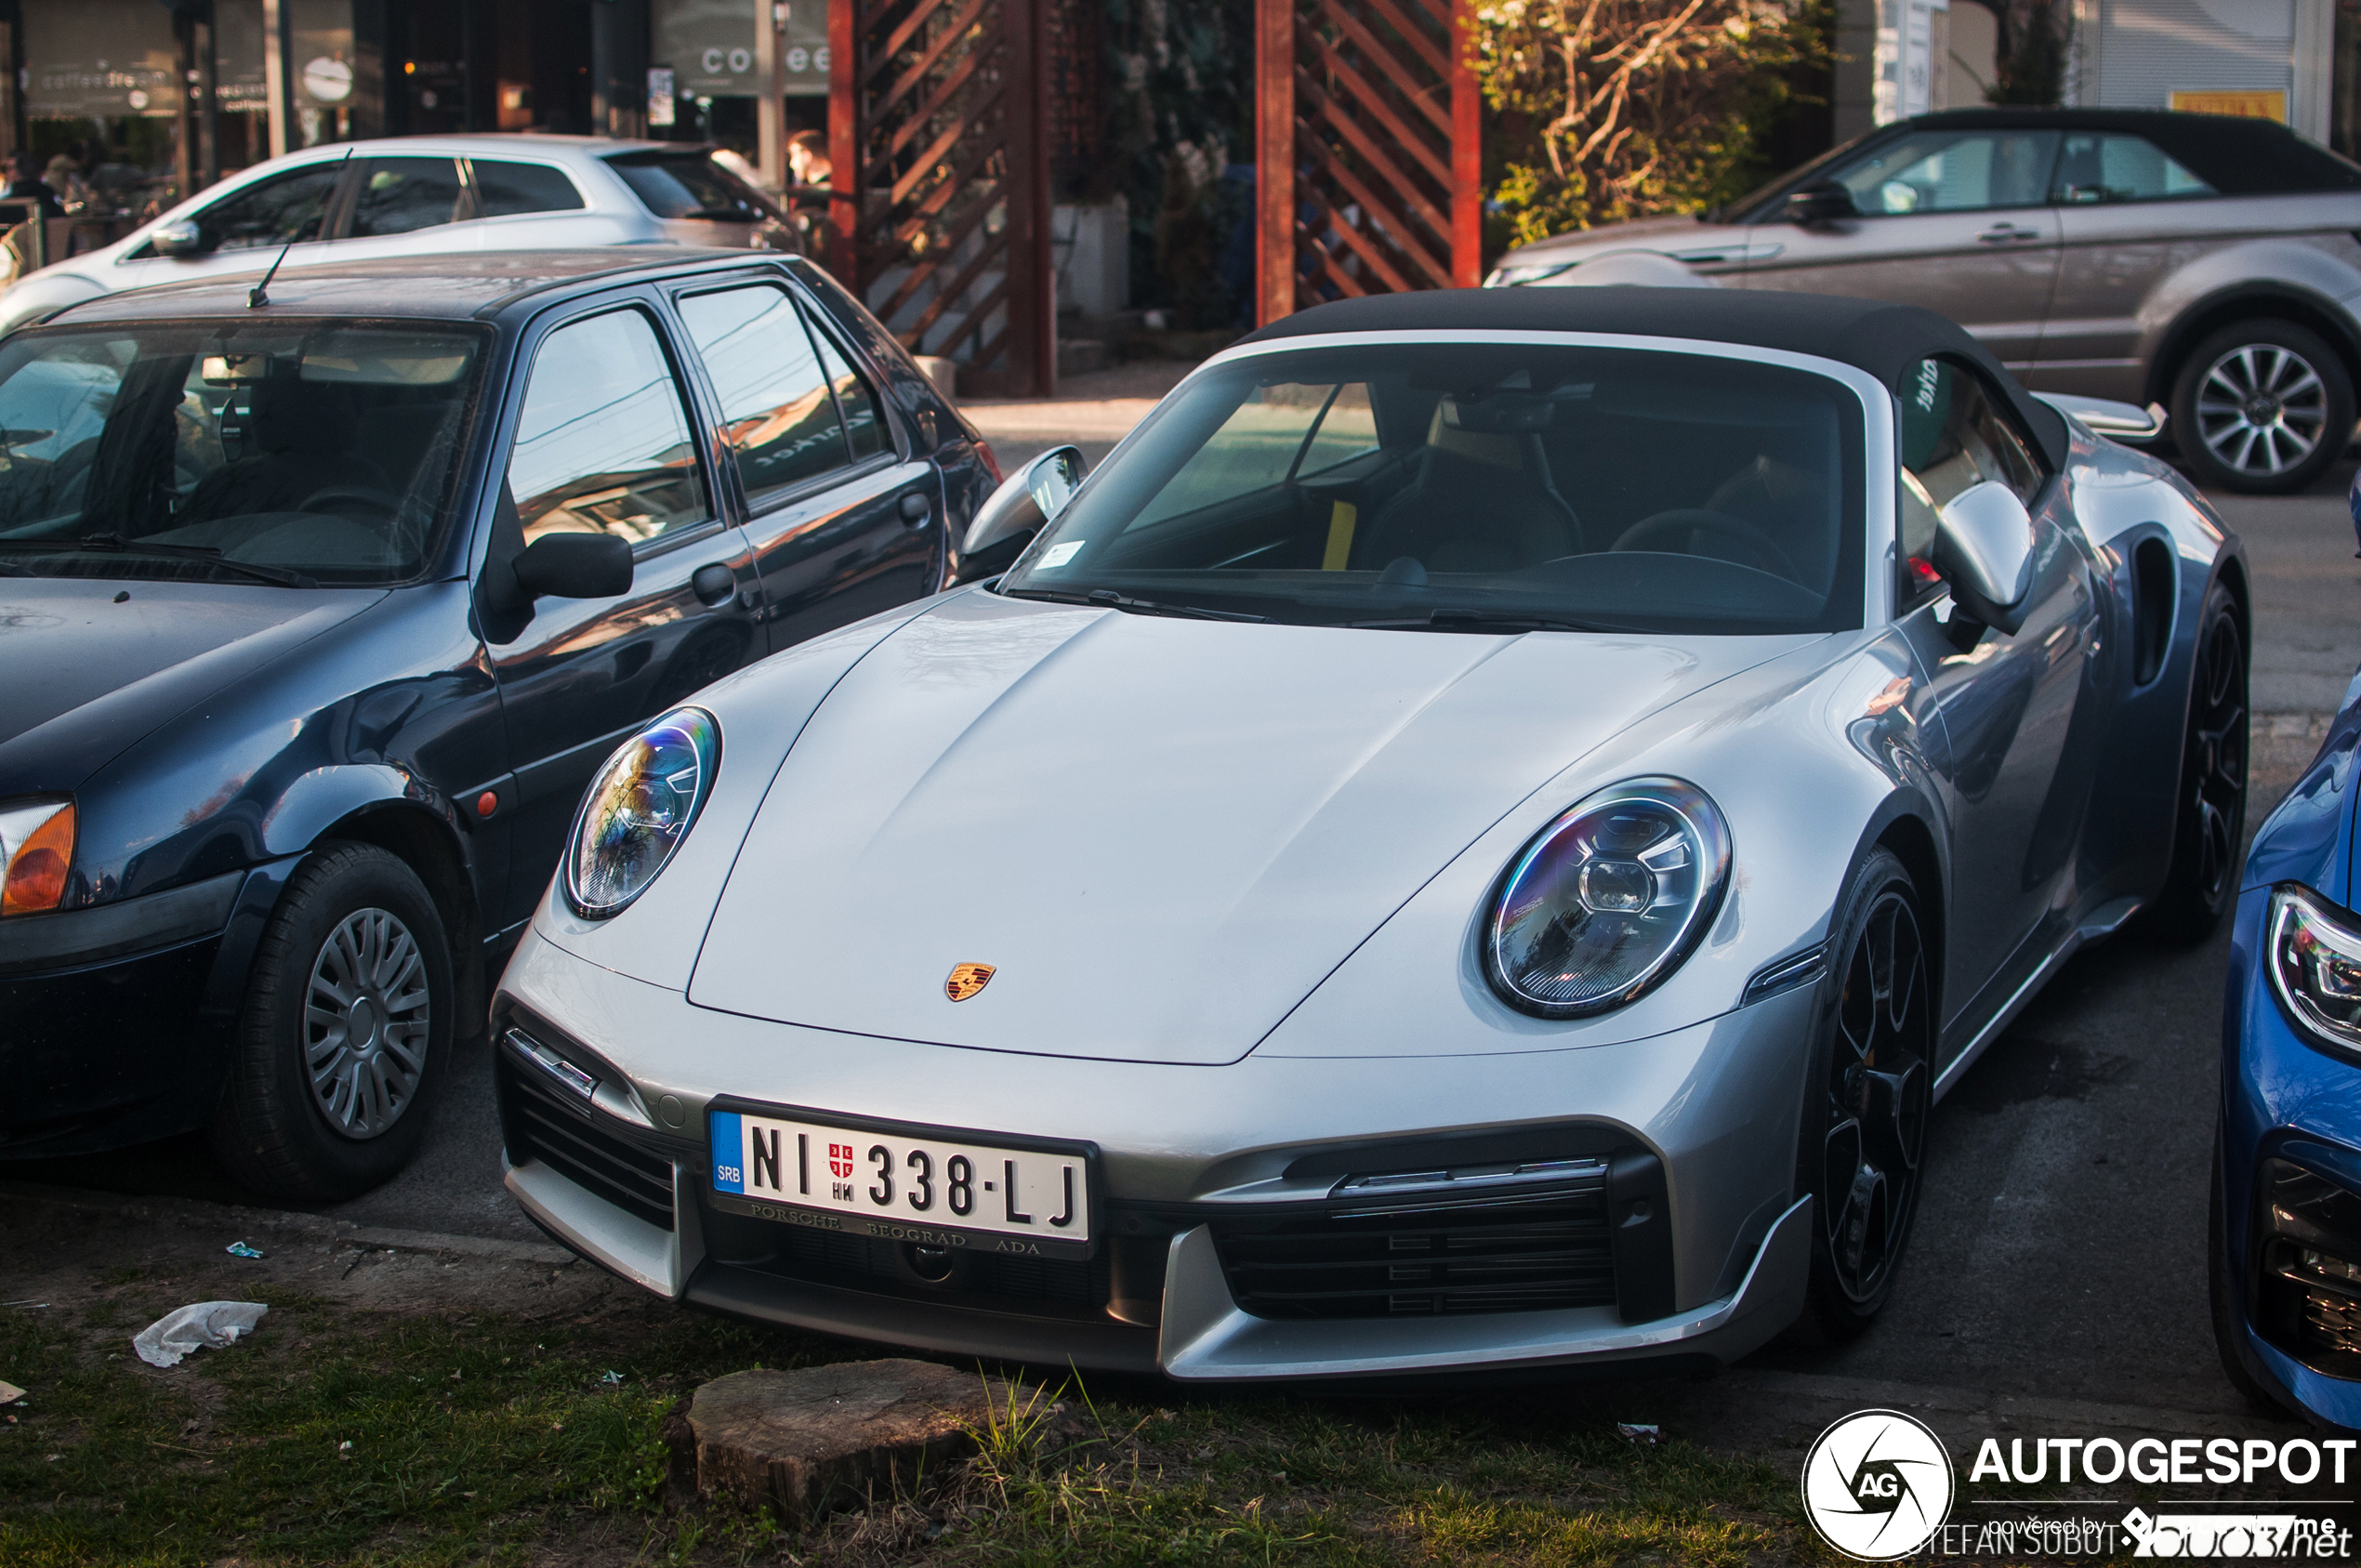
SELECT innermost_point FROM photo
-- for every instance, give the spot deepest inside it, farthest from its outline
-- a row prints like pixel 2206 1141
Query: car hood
pixel 1161 834
pixel 95 664
pixel 1642 234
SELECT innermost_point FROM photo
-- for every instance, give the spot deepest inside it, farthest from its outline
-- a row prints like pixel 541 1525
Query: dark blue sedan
pixel 318 613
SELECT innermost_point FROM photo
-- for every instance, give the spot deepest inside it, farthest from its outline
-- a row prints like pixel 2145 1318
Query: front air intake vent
pixel 545 1122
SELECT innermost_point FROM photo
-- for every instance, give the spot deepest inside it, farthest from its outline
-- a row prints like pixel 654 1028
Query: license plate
pixel 929 1188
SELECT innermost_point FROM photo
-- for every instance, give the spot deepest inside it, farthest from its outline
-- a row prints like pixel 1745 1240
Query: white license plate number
pixel 894 1179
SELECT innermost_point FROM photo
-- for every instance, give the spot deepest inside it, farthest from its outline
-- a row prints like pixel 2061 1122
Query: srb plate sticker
pixel 728 1152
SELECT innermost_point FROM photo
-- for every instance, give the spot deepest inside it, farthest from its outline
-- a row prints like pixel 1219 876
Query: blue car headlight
pixel 639 809
pixel 1607 901
pixel 2316 964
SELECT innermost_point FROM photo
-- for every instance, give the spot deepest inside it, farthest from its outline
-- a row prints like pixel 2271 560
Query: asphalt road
pixel 2060 1250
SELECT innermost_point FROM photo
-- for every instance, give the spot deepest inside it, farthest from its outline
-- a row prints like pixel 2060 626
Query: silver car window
pixel 1954 171
pixel 1458 486
pixel 2108 166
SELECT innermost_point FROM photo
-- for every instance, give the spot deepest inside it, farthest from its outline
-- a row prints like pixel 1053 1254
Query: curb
pixel 311 1227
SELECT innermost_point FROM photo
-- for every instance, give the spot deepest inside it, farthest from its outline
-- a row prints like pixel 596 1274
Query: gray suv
pixel 2207 264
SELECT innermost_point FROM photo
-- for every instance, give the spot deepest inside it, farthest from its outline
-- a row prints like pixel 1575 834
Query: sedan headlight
pixel 2316 964
pixel 639 809
pixel 1607 900
pixel 36 849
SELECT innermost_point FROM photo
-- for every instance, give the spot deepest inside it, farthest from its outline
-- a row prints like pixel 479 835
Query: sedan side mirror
pixel 180 238
pixel 575 566
pixel 1027 501
pixel 1815 206
pixel 1983 545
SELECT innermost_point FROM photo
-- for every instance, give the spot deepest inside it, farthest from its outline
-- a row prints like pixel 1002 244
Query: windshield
pixel 691 185
pixel 1473 486
pixel 283 452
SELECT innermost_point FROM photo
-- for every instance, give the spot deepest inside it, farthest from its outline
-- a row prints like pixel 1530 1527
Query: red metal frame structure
pixel 937 129
pixel 1369 175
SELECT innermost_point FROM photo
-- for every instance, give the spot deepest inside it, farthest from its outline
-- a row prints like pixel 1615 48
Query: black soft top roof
pixel 1885 341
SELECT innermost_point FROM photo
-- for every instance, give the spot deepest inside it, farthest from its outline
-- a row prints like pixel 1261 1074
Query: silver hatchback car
pixel 2207 264
pixel 364 201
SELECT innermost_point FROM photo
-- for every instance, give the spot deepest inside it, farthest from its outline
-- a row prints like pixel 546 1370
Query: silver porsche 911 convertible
pixel 1474 839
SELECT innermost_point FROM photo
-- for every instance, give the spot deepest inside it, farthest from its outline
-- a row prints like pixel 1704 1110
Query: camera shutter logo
pixel 1877 1485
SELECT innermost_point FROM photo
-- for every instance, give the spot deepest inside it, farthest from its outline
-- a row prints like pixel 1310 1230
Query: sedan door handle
pixel 2006 233
pixel 714 582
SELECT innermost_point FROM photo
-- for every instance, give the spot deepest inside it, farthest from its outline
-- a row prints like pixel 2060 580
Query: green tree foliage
pixel 1609 110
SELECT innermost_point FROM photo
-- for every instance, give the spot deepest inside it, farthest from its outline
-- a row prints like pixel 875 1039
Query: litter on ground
pixel 204 1324
pixel 9 1392
pixel 240 1249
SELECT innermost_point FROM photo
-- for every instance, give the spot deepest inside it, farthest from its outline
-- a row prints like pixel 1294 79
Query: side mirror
pixel 180 238
pixel 1816 206
pixel 575 566
pixel 1026 501
pixel 1983 545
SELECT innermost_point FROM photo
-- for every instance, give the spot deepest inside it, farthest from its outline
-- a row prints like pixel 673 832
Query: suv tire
pixel 344 1033
pixel 2262 407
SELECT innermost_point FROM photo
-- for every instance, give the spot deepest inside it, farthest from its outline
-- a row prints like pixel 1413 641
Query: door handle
pixel 913 508
pixel 714 582
pixel 2006 233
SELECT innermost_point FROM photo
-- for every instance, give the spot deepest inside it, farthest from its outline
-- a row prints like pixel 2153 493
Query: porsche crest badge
pixel 966 981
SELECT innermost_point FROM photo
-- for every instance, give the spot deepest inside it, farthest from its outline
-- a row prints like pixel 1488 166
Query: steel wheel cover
pixel 2217 767
pixel 365 1019
pixel 2262 409
pixel 1879 1094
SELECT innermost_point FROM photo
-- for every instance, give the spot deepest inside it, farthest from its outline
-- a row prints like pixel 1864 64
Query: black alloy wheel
pixel 2208 820
pixel 345 1032
pixel 2262 407
pixel 1867 1102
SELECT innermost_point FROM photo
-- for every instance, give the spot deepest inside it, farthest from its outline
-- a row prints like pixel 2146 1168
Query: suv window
pixel 400 195
pixel 1954 171
pixel 1954 435
pixel 775 407
pixel 602 441
pixel 2104 167
pixel 505 190
pixel 280 209
pixel 691 185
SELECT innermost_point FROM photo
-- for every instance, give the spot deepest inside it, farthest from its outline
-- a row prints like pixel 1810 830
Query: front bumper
pixel 1192 1158
pixel 115 1013
pixel 2288 1106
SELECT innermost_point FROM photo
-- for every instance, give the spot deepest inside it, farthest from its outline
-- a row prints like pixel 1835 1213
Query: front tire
pixel 1866 1102
pixel 2210 813
pixel 344 1033
pixel 2261 408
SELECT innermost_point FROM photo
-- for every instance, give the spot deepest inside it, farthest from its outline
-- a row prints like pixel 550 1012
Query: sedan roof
pixel 1885 341
pixel 441 287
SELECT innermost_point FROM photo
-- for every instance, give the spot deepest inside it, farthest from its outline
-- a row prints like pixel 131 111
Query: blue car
pixel 2286 1187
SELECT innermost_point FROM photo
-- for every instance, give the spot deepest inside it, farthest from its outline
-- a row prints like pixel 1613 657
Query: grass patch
pixel 336 1435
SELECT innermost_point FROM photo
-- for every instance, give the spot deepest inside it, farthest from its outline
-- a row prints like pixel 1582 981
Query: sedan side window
pixel 1954 435
pixel 864 429
pixel 1954 171
pixel 775 406
pixel 275 212
pixel 2106 166
pixel 602 442
pixel 506 189
pixel 400 195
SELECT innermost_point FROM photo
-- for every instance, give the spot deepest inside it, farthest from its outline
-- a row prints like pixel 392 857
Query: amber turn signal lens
pixel 37 878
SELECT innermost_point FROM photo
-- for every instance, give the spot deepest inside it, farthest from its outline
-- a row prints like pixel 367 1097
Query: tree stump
pixel 828 1437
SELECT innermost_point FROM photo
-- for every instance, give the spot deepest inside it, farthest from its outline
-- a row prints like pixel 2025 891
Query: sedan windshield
pixel 1479 487
pixel 293 452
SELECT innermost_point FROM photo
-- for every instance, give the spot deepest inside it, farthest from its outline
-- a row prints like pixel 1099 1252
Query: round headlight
pixel 639 809
pixel 1607 900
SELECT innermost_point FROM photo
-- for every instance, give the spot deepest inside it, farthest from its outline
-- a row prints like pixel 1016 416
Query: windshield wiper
pixel 1482 620
pixel 1107 599
pixel 115 543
